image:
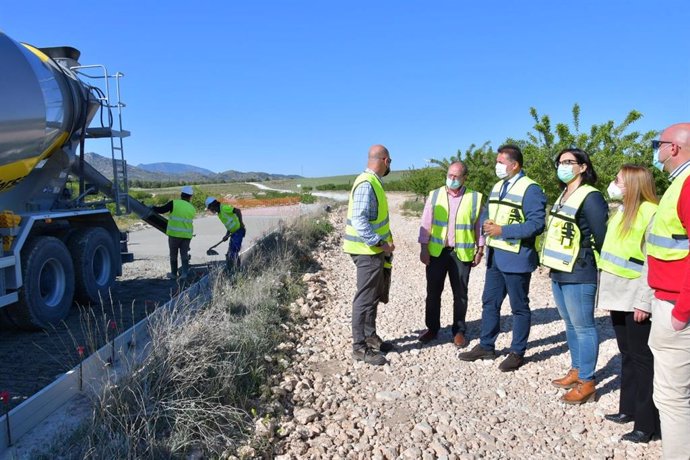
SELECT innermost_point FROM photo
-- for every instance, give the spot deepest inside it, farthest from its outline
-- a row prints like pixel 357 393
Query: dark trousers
pixel 369 286
pixel 180 245
pixel 496 285
pixel 447 263
pixel 637 371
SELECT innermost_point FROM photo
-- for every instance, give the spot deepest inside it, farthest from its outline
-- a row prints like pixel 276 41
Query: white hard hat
pixel 187 190
pixel 209 200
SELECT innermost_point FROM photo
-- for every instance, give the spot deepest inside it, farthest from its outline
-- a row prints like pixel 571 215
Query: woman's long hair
pixel 639 187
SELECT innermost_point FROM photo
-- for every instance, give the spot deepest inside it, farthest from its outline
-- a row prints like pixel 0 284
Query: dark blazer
pixel 527 260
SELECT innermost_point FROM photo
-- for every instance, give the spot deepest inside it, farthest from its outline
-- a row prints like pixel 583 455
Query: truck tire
pixel 94 257
pixel 48 276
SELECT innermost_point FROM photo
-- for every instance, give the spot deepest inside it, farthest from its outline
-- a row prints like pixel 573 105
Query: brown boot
pixel 582 393
pixel 569 381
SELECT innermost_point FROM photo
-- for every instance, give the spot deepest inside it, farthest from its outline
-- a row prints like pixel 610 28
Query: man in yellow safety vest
pixel 231 217
pixel 368 240
pixel 180 230
pixel 668 257
pixel 451 244
pixel 516 214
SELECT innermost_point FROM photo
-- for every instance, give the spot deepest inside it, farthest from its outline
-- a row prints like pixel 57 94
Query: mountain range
pixel 166 172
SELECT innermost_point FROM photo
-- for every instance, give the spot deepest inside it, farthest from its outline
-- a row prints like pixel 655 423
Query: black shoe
pixel 619 418
pixel 376 343
pixel 638 436
pixel 477 353
pixel 427 336
pixel 369 356
pixel 512 362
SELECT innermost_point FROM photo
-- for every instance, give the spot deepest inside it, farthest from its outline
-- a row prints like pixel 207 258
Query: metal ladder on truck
pixel 111 128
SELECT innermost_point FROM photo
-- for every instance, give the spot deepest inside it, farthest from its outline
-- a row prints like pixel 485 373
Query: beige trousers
pixel 671 350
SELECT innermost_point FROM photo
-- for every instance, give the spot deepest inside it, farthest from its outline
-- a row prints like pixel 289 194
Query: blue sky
pixel 305 87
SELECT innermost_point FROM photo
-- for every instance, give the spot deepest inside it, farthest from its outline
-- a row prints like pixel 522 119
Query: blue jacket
pixel 527 260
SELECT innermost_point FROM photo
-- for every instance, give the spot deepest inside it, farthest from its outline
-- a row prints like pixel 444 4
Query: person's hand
pixel 640 315
pixel 424 255
pixel 677 324
pixel 491 228
pixel 478 257
pixel 225 238
pixel 387 248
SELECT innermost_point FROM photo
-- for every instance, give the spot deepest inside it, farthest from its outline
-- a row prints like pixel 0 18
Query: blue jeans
pixel 575 304
pixel 233 255
pixel 496 285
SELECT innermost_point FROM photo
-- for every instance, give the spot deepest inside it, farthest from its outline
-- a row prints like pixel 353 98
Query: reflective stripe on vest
pixel 668 239
pixel 229 218
pixel 623 256
pixel 465 218
pixel 181 219
pixel 507 211
pixel 562 235
pixel 352 242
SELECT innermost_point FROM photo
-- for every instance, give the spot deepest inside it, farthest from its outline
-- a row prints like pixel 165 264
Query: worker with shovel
pixel 231 217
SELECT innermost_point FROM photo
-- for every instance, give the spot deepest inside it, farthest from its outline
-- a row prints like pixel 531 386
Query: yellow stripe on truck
pixel 12 173
pixel 37 52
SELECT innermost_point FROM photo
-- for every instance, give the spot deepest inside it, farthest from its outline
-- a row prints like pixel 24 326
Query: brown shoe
pixel 427 336
pixel 569 381
pixel 582 393
pixel 459 340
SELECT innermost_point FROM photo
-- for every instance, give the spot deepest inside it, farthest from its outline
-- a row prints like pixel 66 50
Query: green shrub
pixel 307 198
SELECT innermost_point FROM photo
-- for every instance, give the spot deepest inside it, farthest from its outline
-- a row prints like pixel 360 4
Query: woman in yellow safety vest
pixel 575 229
pixel 623 290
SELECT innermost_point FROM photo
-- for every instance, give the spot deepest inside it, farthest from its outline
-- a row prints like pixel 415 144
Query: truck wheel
pixel 93 253
pixel 48 277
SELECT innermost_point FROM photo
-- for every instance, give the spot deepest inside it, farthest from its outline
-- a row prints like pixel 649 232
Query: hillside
pixel 168 172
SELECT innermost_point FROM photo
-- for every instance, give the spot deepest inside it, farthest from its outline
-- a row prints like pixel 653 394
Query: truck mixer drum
pixel 63 246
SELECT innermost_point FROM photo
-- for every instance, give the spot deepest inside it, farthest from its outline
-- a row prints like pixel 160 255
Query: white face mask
pixel 614 191
pixel 501 170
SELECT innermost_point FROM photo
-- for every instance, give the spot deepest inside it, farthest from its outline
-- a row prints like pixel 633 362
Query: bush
pixel 413 207
pixel 199 388
pixel 307 198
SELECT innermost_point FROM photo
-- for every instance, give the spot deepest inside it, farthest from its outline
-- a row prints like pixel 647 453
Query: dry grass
pixel 198 388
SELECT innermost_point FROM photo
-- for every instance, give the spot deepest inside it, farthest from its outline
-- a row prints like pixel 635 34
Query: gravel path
pixel 426 403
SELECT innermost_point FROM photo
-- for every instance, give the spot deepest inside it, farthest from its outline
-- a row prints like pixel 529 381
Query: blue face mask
pixel 658 164
pixel 453 184
pixel 565 173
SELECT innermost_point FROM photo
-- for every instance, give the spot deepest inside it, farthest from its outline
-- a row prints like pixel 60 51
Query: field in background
pixel 291 184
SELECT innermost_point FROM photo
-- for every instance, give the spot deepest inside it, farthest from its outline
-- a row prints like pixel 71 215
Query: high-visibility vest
pixel 352 242
pixel 562 235
pixel 623 256
pixel 181 219
pixel 229 218
pixel 507 211
pixel 668 239
pixel 465 219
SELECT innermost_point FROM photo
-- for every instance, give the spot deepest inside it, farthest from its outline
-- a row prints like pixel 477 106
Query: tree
pixel 421 181
pixel 609 145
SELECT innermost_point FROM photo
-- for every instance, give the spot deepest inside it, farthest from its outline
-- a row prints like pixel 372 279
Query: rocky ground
pixel 426 403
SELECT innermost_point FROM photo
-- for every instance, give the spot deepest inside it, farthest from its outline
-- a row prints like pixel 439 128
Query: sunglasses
pixel 656 144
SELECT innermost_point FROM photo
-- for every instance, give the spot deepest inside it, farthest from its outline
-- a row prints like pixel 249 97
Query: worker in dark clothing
pixel 180 230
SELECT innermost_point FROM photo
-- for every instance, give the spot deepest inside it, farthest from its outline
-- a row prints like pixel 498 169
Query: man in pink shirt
pixel 451 244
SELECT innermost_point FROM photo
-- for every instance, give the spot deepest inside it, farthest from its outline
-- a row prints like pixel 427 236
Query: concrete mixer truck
pixel 59 242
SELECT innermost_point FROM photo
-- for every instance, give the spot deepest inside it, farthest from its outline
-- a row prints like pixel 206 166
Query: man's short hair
pixel 512 151
pixel 461 163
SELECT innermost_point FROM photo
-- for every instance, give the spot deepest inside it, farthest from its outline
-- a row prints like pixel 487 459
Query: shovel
pixel 213 252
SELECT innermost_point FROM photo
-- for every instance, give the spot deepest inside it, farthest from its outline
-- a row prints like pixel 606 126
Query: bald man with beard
pixel 669 277
pixel 369 242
